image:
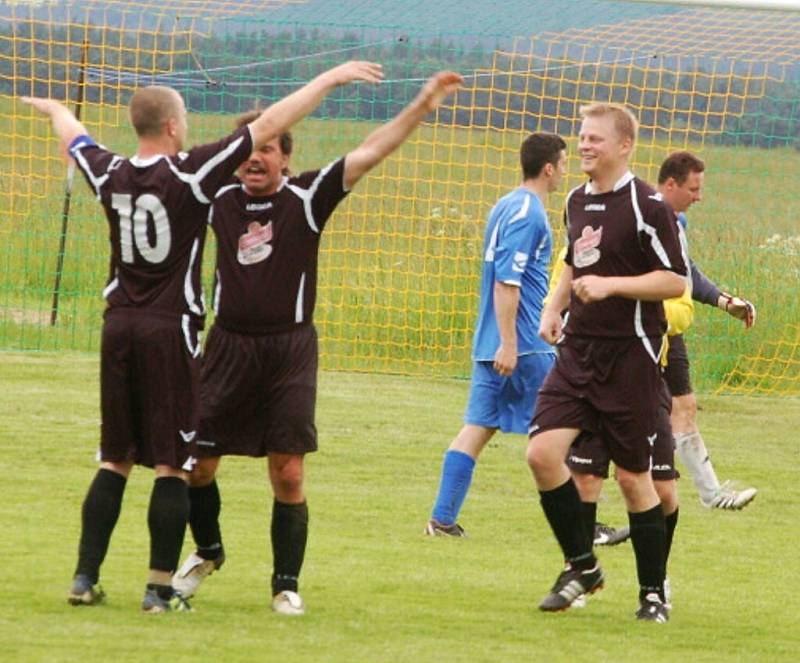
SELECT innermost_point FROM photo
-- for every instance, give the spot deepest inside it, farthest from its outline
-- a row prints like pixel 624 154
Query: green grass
pixel 377 590
pixel 400 262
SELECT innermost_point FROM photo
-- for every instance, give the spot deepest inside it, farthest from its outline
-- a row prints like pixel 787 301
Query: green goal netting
pixel 401 257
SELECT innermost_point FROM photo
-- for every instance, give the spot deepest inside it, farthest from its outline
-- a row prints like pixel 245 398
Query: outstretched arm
pixel 66 126
pixel 281 115
pixel 706 291
pixel 387 138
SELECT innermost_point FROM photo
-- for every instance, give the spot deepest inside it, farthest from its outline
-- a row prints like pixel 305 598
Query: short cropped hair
pixel 285 140
pixel 537 150
pixel 625 121
pixel 678 165
pixel 150 107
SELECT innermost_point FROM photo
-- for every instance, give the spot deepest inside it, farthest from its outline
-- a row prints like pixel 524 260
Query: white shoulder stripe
pixel 194 179
pixel 97 182
pixel 641 226
pixel 523 212
pixel 308 195
pixel 225 190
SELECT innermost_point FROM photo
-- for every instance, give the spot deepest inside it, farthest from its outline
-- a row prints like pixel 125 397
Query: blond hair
pixel 625 122
pixel 150 107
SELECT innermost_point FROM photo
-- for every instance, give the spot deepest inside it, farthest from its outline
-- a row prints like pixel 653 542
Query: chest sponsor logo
pixel 595 207
pixel 254 245
pixel 585 251
pixel 257 207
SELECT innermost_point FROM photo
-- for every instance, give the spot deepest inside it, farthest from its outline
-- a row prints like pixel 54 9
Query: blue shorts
pixel 507 403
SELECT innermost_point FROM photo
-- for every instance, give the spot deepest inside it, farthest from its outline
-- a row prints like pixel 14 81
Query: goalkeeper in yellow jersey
pixel 680 181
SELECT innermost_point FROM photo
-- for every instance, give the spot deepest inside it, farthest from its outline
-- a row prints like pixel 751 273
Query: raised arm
pixel 66 126
pixel 281 115
pixel 387 138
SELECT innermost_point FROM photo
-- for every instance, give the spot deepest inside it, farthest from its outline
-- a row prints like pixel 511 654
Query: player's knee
pixel 286 475
pixel 203 472
pixel 540 456
pixel 668 495
pixel 684 412
pixel 589 486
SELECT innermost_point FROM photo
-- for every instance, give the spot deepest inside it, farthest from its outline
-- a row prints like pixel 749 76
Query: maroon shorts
pixel 258 393
pixel 676 372
pixel 589 454
pixel 608 386
pixel 149 374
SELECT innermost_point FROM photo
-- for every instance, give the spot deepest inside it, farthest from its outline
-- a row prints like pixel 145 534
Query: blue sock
pixel 453 487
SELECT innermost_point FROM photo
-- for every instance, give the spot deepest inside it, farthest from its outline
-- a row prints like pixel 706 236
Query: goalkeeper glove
pixel 739 308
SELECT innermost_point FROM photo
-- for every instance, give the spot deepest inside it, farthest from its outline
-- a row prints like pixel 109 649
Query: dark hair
pixel 678 165
pixel 285 140
pixel 537 150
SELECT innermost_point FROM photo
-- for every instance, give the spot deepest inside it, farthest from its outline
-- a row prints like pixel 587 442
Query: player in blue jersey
pixel 510 360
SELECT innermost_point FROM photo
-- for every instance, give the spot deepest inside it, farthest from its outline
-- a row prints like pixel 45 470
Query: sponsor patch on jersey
pixel 254 245
pixel 585 252
pixel 520 260
pixel 595 207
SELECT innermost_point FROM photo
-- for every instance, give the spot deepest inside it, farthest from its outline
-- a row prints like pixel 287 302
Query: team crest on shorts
pixel 586 252
pixel 254 245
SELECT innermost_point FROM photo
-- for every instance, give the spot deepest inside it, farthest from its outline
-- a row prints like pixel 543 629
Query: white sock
pixel 692 452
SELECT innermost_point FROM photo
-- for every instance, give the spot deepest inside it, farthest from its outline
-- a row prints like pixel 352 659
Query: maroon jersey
pixel 628 231
pixel 267 248
pixel 156 210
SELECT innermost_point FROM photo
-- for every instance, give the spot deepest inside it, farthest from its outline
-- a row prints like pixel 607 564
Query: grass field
pixel 400 261
pixel 377 590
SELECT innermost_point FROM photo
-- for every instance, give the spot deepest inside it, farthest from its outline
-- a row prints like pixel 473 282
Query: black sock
pixel 289 535
pixel 671 522
pixel 166 518
pixel 562 507
pixel 589 517
pixel 204 519
pixel 98 516
pixel 164 592
pixel 648 534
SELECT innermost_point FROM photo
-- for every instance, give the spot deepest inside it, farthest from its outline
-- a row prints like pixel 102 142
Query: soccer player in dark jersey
pixel 623 259
pixel 156 203
pixel 259 380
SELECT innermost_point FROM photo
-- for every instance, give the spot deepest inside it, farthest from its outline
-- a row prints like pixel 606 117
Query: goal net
pixel 401 257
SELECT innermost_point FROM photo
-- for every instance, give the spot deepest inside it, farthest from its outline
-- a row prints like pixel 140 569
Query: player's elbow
pixel 673 285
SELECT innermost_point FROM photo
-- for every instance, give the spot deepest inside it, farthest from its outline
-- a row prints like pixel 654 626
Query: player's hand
pixel 438 87
pixel 45 106
pixel 738 307
pixel 355 70
pixel 550 326
pixel 505 360
pixel 591 288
